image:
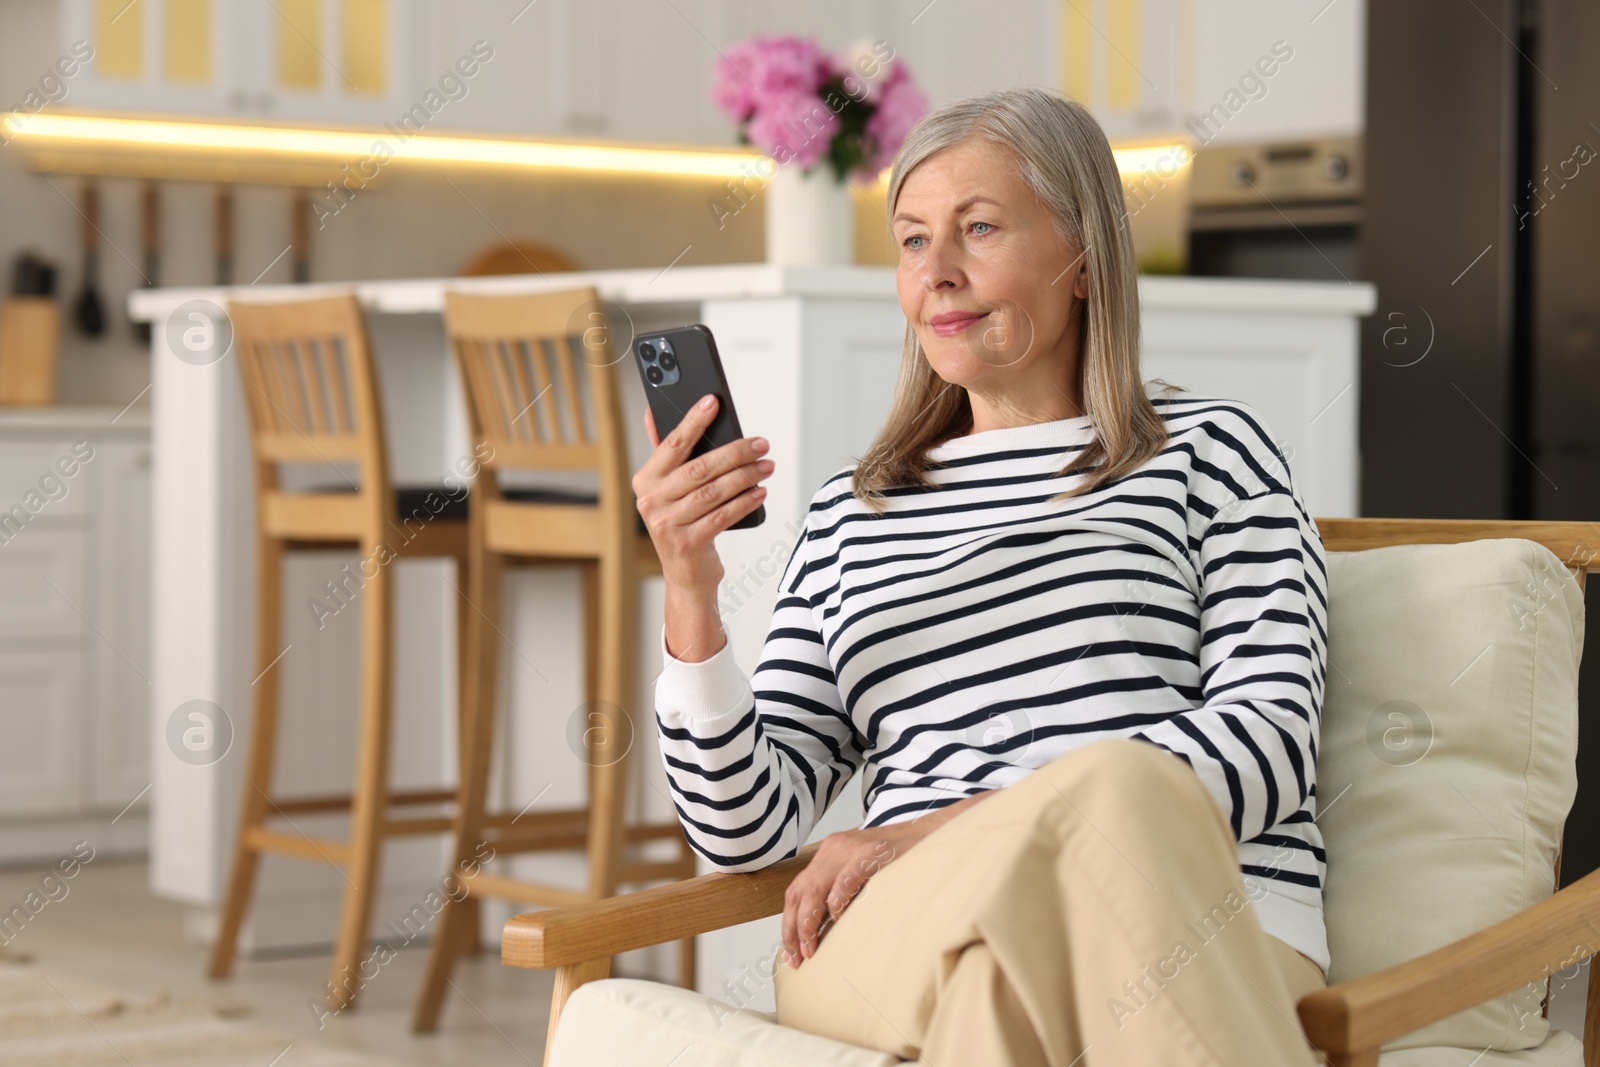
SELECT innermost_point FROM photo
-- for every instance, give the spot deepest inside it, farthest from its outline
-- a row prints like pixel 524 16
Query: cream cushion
pixel 619 1021
pixel 626 1022
pixel 1445 773
pixel 1448 759
pixel 1560 1049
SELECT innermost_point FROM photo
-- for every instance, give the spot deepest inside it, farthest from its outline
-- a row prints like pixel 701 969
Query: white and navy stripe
pixel 976 631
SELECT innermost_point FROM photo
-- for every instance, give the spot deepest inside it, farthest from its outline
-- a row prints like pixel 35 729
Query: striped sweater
pixel 976 631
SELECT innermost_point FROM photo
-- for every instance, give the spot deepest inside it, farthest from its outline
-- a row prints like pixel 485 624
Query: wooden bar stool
pixel 312 396
pixel 521 372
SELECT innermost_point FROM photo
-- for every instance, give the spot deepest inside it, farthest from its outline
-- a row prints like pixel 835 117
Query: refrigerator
pixel 1480 369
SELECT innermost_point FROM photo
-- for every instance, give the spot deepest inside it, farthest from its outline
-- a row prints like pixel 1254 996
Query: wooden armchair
pixel 1348 1021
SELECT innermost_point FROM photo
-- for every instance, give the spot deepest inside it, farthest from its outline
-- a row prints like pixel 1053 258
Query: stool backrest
pixel 310 387
pixel 539 373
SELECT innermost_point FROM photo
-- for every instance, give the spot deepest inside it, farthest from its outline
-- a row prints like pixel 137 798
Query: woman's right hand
pixel 687 502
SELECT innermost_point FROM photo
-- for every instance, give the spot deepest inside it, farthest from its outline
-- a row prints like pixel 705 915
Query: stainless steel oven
pixel 1287 209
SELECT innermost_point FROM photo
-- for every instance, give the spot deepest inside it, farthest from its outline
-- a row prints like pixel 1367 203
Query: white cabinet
pixel 119 764
pixel 42 721
pixel 609 69
pixel 74 630
pixel 342 62
pixel 631 71
pixel 606 69
pixel 42 579
pixel 626 70
pixel 639 72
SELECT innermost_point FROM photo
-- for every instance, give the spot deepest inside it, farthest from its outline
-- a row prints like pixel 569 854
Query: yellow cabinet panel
pixel 299 44
pixel 366 40
pixel 187 41
pixel 119 38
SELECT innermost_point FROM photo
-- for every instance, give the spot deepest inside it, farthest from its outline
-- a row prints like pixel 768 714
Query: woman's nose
pixel 942 267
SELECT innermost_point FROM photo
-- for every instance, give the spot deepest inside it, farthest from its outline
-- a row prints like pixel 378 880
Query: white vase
pixel 810 218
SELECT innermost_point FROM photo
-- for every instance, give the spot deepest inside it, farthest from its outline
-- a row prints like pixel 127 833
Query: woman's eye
pixel 907 242
pixel 989 224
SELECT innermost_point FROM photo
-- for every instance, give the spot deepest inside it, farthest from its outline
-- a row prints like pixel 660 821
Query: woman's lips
pixel 955 326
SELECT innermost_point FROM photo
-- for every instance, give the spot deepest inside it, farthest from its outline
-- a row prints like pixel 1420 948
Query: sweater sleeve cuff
pixel 709 689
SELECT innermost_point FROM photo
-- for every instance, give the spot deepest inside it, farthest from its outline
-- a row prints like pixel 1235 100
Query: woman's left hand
pixel 842 864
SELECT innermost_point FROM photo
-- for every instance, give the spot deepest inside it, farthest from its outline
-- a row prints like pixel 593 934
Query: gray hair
pixel 1063 156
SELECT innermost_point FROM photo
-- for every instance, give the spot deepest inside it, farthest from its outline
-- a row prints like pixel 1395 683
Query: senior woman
pixel 1070 628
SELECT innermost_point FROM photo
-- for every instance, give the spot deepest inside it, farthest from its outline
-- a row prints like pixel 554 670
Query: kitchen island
pixel 812 356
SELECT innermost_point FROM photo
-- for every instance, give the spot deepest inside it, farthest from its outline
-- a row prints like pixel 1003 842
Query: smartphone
pixel 679 367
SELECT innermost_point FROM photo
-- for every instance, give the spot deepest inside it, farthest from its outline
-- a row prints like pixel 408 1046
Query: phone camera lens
pixel 668 361
pixel 654 374
pixel 647 351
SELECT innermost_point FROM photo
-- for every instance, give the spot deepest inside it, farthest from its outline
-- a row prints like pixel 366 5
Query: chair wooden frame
pixel 1348 1021
pixel 311 393
pixel 503 346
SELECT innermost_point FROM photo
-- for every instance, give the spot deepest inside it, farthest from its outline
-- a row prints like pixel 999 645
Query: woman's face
pixel 977 246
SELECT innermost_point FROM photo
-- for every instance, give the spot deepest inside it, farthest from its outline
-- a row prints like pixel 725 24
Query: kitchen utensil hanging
pixel 88 312
pixel 150 240
pixel 224 235
pixel 300 234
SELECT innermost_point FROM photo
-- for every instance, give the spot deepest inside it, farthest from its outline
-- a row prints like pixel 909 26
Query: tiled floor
pixel 111 929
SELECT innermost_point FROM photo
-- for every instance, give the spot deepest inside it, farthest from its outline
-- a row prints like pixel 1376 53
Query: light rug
pixel 49 1017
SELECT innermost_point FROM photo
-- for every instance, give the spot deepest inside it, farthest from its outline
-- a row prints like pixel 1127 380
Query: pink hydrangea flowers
pixel 801 105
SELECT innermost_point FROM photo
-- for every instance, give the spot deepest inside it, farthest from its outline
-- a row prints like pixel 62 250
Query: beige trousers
pixel 1091 914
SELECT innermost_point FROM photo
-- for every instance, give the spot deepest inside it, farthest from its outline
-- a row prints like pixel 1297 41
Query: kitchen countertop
pixel 54 419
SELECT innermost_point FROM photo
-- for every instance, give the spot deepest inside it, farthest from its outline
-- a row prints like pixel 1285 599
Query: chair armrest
pixel 1353 1018
pixel 560 937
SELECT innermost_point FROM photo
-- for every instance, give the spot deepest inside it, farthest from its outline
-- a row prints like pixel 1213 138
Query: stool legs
pixel 610 738
pixel 258 768
pixel 608 784
pixel 610 603
pixel 360 857
pixel 590 574
pixel 370 802
pixel 458 923
pixel 466 612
